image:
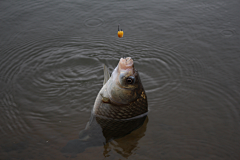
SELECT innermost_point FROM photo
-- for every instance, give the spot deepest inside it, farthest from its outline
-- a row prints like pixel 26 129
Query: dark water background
pixel 187 53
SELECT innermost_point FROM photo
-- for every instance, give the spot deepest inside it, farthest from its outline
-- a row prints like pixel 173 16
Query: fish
pixel 122 95
pixel 120 108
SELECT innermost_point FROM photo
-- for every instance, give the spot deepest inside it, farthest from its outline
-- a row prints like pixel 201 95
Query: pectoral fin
pixel 105 99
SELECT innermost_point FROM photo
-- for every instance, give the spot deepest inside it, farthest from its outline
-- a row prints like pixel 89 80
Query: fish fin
pixel 106 74
pixel 105 99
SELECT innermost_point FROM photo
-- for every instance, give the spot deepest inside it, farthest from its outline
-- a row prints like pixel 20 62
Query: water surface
pixel 187 54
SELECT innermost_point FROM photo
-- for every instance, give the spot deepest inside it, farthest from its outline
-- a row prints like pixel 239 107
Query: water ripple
pixel 53 79
pixel 228 33
pixel 93 22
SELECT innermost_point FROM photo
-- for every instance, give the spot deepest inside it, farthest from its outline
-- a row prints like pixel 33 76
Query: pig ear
pixel 106 74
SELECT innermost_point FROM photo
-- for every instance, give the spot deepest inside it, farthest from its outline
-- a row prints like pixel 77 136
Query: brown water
pixel 187 54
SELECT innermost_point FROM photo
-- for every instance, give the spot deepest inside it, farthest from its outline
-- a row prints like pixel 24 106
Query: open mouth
pixel 126 63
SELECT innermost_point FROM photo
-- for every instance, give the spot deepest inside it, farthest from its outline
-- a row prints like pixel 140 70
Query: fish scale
pixel 135 108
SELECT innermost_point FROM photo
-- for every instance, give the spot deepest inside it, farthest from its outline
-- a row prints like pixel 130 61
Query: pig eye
pixel 130 80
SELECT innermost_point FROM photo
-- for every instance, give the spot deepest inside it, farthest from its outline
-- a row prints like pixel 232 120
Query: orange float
pixel 120 33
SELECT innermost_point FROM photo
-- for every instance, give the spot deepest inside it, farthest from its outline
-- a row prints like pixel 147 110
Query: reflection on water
pixel 128 144
pixel 187 55
pixel 101 131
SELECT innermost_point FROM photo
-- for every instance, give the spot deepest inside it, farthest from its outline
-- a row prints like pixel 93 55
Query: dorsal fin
pixel 106 74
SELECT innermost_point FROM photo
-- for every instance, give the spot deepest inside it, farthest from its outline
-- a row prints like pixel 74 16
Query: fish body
pixel 122 96
pixel 120 108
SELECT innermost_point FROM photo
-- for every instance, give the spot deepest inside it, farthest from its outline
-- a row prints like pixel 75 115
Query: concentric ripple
pixel 57 80
pixel 164 72
pixel 58 77
pixel 93 22
pixel 228 33
pixel 56 74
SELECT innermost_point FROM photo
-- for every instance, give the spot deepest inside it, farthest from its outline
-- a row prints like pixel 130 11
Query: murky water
pixel 187 53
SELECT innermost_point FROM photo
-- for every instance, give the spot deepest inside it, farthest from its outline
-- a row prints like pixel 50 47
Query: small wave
pixel 93 22
pixel 228 33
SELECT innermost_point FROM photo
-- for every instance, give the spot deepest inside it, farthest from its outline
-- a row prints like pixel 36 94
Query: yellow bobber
pixel 120 33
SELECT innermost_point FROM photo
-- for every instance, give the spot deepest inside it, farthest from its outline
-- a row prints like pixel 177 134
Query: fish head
pixel 125 85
